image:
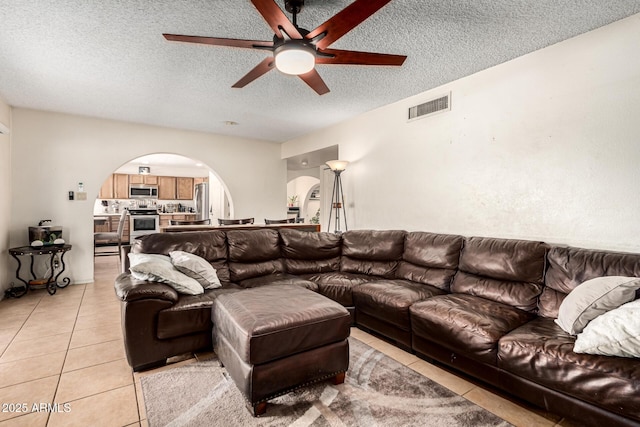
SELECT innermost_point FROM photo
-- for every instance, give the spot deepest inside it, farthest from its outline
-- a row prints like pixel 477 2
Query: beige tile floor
pixel 65 352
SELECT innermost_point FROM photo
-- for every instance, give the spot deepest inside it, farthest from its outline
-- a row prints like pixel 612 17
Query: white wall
pixel 546 146
pixel 5 197
pixel 53 152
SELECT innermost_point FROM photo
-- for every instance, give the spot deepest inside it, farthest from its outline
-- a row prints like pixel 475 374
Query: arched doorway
pixel 306 189
pixel 162 184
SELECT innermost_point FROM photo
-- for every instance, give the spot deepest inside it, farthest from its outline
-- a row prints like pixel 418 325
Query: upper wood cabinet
pixel 120 186
pixel 167 187
pixel 136 179
pixel 106 191
pixel 143 179
pixel 184 188
pixel 150 179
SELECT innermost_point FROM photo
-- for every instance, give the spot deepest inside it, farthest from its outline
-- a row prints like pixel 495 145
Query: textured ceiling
pixel 107 58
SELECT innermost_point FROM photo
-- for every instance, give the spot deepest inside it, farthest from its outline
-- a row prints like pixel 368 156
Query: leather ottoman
pixel 274 339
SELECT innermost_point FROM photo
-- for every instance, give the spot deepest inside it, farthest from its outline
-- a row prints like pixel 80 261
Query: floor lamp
pixel 337 196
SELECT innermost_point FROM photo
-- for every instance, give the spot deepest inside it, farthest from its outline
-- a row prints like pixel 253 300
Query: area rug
pixel 378 391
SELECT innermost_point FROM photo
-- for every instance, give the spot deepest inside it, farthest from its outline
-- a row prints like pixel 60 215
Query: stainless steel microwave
pixel 143 191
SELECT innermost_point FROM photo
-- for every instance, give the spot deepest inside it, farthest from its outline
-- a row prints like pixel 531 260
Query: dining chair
pixel 280 221
pixel 190 222
pixel 226 221
pixel 110 237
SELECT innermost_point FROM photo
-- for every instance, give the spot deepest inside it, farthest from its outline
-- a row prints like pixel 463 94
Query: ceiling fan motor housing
pixel 293 6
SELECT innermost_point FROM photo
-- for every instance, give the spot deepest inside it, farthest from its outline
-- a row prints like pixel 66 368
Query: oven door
pixel 144 224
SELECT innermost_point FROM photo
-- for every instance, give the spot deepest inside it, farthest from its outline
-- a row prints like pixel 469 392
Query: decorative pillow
pixel 159 271
pixel 594 297
pixel 615 333
pixel 195 267
pixel 135 259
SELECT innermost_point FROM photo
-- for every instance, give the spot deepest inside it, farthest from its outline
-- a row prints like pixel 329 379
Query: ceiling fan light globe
pixel 295 59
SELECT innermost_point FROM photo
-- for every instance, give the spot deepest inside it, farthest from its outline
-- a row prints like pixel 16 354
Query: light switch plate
pixel 81 195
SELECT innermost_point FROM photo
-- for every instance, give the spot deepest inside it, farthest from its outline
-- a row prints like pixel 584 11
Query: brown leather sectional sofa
pixel 482 306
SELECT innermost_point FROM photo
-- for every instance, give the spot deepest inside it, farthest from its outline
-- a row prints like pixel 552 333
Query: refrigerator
pixel 201 201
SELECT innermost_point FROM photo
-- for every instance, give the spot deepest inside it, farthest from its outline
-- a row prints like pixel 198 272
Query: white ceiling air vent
pixel 430 108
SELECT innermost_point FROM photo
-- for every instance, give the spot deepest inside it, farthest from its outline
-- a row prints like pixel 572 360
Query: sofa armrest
pixel 130 289
pixel 124 258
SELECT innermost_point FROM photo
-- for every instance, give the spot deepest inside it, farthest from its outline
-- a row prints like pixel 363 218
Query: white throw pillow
pixel 159 271
pixel 594 297
pixel 195 267
pixel 615 333
pixel 137 258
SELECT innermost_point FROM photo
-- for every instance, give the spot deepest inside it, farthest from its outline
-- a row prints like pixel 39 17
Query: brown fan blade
pixel 276 18
pixel 346 20
pixel 262 68
pixel 215 41
pixel 313 79
pixel 359 58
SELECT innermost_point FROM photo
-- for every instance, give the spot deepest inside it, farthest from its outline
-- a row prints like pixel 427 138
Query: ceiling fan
pixel 295 50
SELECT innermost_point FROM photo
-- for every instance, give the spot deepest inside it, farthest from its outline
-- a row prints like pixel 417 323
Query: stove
pixel 143 221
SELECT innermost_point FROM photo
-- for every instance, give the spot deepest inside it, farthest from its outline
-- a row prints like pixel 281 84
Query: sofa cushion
pixel 241 271
pixel 506 259
pixel 542 352
pixel 310 252
pixel 593 298
pixel 278 279
pixel 390 299
pixel 338 286
pixel 253 245
pixel 430 258
pixel 569 267
pixel 466 324
pixel 372 252
pixel 254 253
pixel 523 296
pixel 210 245
pixel 190 314
pixel 503 270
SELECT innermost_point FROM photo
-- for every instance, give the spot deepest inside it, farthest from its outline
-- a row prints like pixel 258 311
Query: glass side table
pixel 56 268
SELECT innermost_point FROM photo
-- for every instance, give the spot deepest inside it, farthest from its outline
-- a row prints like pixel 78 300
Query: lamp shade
pixel 295 58
pixel 337 165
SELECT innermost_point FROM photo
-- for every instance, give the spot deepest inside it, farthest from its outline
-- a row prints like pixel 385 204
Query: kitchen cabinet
pixel 136 179
pixel 151 179
pixel 106 191
pixel 120 186
pixel 184 188
pixel 167 187
pixel 143 179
